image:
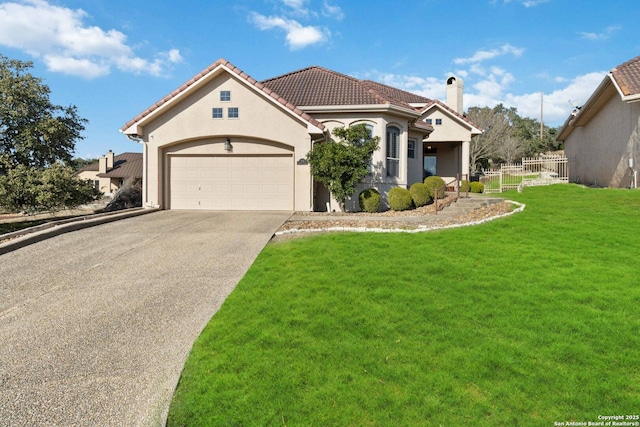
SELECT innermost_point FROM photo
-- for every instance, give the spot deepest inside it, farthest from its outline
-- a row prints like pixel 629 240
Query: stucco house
pixel 225 141
pixel 603 136
pixel 111 171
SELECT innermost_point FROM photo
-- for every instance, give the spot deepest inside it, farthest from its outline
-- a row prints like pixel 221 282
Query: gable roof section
pixel 627 77
pixel 623 79
pixel 131 127
pixel 125 165
pixel 475 130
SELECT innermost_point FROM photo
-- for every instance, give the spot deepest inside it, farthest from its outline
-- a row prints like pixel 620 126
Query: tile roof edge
pixel 450 110
pixel 232 68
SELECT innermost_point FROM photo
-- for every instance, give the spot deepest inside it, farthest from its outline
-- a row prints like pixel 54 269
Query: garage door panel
pixel 231 182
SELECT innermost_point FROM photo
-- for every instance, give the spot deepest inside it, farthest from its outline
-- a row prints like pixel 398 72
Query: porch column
pixel 465 158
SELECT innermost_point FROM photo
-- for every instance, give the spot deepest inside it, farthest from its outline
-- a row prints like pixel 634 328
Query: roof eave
pixel 460 119
pixel 362 108
pixel 583 115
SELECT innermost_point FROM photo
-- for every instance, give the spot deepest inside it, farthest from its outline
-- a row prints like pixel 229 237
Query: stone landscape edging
pixel 419 229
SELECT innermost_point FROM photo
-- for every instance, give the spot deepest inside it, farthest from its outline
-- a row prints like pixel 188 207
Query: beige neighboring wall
pixel 601 147
pixel 188 128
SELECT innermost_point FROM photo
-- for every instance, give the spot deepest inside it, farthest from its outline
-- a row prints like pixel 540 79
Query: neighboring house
pixel 226 141
pixel 111 171
pixel 603 136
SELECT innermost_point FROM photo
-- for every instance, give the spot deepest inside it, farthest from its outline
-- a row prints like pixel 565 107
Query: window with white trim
pixel 393 151
pixel 438 121
pixel 225 95
pixel 216 113
pixel 411 149
pixel 233 113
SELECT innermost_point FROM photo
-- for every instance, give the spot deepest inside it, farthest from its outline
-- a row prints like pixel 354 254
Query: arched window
pixel 393 151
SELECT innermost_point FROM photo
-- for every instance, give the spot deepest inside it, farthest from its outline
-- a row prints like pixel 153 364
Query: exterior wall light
pixel 227 146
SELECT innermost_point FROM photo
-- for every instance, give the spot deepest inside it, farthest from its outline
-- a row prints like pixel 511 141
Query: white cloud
pixel 603 35
pixel 557 105
pixel 298 7
pixel 298 36
pixel 483 55
pixel 332 11
pixel 496 87
pixel 66 44
pixel 525 3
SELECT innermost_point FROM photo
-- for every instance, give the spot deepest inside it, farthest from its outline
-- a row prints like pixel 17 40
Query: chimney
pixel 102 164
pixel 110 160
pixel 455 88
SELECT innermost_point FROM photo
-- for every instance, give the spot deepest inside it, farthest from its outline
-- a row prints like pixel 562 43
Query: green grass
pixel 527 320
pixel 10 227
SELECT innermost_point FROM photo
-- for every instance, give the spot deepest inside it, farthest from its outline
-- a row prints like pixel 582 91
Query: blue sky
pixel 114 58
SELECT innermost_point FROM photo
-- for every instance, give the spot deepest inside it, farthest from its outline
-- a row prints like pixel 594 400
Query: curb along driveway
pixel 96 324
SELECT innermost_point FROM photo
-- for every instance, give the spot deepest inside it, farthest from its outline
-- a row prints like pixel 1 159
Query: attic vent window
pixel 438 121
pixel 225 95
pixel 429 121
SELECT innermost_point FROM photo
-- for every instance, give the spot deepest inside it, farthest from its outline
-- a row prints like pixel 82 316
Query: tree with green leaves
pixel 507 136
pixel 341 163
pixel 37 140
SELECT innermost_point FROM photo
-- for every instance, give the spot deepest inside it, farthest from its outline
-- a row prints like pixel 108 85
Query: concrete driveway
pixel 95 325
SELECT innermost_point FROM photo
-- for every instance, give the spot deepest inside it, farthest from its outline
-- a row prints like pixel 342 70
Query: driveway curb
pixel 21 238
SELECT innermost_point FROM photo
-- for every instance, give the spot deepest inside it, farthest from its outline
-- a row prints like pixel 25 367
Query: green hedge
pixel 369 200
pixel 434 183
pixel 400 199
pixel 464 186
pixel 420 194
pixel 477 187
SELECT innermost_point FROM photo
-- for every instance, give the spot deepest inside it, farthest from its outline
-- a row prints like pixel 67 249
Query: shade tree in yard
pixel 37 141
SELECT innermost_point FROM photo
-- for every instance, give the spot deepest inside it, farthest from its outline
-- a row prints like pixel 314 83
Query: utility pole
pixel 541 114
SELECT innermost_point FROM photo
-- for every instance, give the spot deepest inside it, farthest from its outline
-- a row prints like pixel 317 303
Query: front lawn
pixel 528 320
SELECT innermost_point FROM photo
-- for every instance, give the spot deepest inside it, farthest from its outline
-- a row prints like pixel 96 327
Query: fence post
pixel 458 185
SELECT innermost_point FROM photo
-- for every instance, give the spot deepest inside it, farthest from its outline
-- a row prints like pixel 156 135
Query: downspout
pixel 137 139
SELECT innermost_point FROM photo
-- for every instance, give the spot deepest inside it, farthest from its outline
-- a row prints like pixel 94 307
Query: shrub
pixel 434 183
pixel 477 187
pixel 128 196
pixel 464 186
pixel 400 199
pixel 420 194
pixel 369 200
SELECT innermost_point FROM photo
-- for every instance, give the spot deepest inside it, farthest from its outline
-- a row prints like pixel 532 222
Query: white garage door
pixel 231 182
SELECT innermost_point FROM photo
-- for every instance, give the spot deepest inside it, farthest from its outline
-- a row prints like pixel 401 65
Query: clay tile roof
pixel 627 76
pixel 222 62
pixel 395 93
pixel 317 86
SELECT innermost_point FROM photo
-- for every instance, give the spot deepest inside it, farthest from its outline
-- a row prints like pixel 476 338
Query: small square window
pixel 216 113
pixel 225 95
pixel 411 149
pixel 438 121
pixel 429 121
pixel 233 113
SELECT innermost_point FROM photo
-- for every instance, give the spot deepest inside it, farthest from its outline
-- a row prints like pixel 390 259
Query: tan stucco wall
pixel 410 170
pixel 188 127
pixel 600 150
pixel 449 130
pixel 106 185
